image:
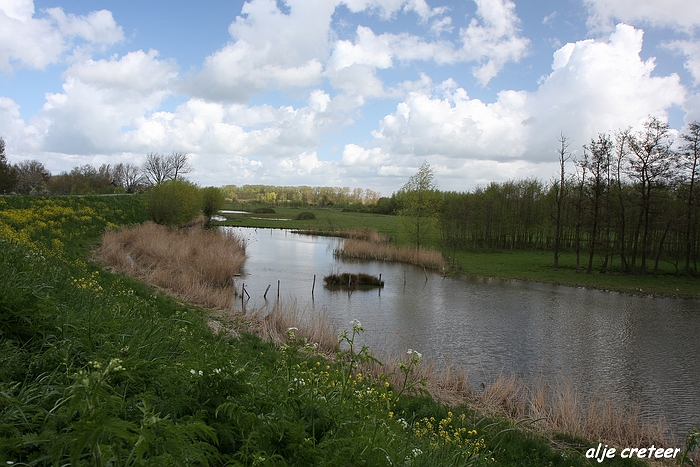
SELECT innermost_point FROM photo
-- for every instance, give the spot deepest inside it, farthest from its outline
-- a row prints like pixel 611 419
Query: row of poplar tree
pixel 630 202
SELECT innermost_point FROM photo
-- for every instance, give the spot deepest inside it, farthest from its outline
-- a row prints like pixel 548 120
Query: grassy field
pixel 98 369
pixel 518 264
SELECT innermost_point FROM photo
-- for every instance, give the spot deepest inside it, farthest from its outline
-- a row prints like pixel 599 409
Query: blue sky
pixel 354 93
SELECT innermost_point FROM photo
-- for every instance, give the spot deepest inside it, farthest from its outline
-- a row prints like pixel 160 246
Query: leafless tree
pixel 128 176
pixel 178 164
pixel 564 156
pixel 156 169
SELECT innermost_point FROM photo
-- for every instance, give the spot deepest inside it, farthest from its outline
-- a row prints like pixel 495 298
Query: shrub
pixel 264 211
pixel 305 216
pixel 212 200
pixel 174 203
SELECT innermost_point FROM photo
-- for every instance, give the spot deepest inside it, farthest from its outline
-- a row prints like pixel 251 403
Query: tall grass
pixel 363 249
pixel 194 264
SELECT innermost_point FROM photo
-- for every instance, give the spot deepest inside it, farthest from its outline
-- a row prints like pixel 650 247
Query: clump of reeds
pixel 362 249
pixel 194 264
pixel 350 280
pixel 367 234
pixel 316 328
pixel 560 409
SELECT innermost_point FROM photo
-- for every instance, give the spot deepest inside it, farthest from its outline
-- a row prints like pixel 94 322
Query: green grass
pixel 99 369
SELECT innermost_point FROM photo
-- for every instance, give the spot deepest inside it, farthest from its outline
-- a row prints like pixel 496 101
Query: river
pixel 631 349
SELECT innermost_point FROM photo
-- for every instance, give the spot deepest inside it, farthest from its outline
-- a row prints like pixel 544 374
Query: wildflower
pixel 193 371
pixel 356 326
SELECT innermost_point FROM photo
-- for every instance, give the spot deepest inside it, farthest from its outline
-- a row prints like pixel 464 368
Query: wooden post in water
pixel 426 274
pixel 268 288
pixel 313 286
pixel 278 289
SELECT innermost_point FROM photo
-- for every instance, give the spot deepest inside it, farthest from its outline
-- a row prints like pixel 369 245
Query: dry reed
pixel 194 264
pixel 362 249
pixel 560 409
pixel 370 235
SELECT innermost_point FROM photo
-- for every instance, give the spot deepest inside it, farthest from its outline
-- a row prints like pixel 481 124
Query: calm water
pixel 631 349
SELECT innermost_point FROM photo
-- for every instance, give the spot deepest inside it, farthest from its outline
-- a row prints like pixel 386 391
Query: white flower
pixel 201 373
pixel 192 371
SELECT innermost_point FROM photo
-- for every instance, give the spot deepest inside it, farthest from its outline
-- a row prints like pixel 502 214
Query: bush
pixel 305 216
pixel 264 211
pixel 174 203
pixel 212 200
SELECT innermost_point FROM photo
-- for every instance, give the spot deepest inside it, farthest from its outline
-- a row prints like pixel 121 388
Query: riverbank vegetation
pixel 100 369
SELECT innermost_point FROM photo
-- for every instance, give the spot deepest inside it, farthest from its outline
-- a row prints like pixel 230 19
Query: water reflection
pixel 631 349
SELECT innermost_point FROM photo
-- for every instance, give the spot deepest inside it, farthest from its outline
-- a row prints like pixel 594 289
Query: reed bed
pixel 194 264
pixel 560 409
pixel 363 249
pixel 367 234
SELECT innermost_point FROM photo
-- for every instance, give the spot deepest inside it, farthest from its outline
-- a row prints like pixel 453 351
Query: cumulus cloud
pixel 269 49
pixel 31 41
pixel 443 124
pixel 680 14
pixel 493 41
pixel 100 97
pixel 691 50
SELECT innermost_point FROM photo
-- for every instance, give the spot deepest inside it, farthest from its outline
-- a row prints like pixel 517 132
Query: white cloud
pixel 28 41
pixel 691 50
pixel 101 97
pixel 680 14
pixel 493 41
pixel 270 50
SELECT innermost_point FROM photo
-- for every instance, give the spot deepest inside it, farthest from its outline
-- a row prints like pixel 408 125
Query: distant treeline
pixel 300 196
pixel 631 202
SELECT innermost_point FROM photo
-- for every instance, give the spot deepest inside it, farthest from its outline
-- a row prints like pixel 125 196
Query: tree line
pixel 630 203
pixel 32 177
pixel 300 196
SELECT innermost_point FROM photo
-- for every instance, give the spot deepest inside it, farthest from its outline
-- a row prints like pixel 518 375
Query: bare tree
pixel 564 156
pixel 128 176
pixel 178 164
pixel 650 166
pixel 691 163
pixel 156 169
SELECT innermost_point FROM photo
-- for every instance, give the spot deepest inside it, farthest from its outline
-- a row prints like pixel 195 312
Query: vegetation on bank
pixel 98 369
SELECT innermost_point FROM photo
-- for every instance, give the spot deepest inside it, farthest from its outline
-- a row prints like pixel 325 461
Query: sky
pixel 355 93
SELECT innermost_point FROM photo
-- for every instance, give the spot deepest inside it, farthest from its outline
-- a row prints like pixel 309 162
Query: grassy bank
pixel 99 369
pixel 523 265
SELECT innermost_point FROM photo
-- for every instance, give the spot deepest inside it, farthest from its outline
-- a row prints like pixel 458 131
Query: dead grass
pixel 367 234
pixel 363 249
pixel 560 409
pixel 194 264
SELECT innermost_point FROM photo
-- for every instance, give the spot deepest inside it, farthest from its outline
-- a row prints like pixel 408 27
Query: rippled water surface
pixel 631 349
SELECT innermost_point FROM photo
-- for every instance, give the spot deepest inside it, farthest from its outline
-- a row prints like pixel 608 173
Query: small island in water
pixel 348 280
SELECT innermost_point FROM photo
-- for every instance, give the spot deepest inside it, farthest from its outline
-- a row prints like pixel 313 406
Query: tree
pixel 560 193
pixel 420 204
pixel 212 201
pixel 598 165
pixel 650 166
pixel 174 202
pixel 156 169
pixel 32 177
pixel 128 176
pixel 691 163
pixel 8 177
pixel 178 164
